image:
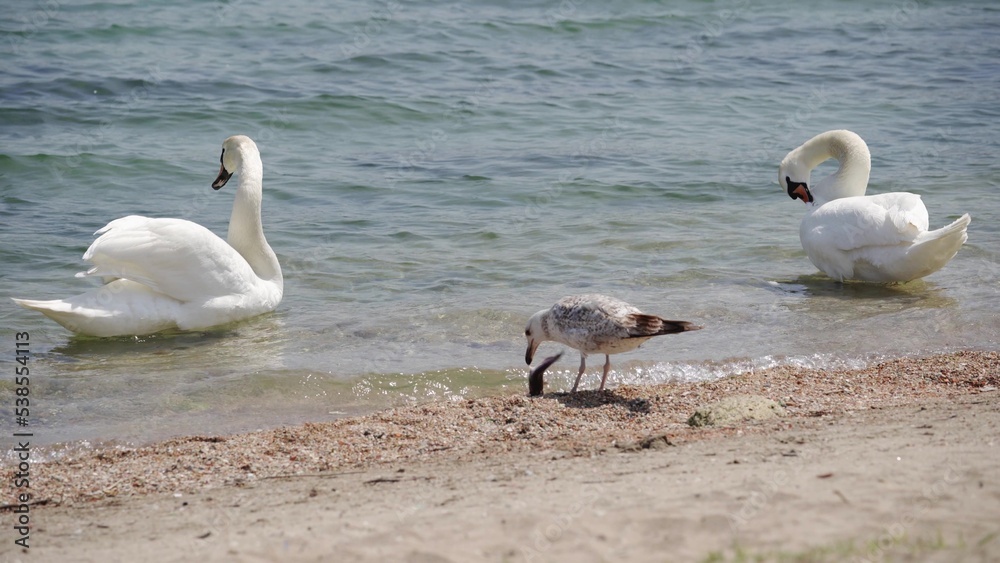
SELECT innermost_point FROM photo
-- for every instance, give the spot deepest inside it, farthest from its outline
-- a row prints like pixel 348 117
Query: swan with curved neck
pixel 175 274
pixel 848 235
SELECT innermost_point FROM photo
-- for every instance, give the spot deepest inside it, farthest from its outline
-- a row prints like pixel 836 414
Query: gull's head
pixel 234 150
pixel 535 334
pixel 793 177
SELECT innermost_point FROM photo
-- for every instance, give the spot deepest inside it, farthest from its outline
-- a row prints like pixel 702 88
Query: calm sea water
pixel 435 172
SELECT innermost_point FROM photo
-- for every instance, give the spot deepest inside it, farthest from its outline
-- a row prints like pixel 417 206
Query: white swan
pixel 848 235
pixel 171 273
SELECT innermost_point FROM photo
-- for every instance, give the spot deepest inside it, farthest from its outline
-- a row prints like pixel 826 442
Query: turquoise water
pixel 436 172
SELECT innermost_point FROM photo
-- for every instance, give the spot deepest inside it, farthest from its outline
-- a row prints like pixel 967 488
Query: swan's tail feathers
pixel 960 225
pixel 952 236
pixel 42 306
pixel 122 308
pixel 61 311
pixel 936 248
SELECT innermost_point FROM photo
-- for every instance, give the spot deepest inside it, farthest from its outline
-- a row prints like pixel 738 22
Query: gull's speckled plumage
pixel 594 323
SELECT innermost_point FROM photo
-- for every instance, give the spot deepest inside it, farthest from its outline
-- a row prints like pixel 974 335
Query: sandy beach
pixel 898 461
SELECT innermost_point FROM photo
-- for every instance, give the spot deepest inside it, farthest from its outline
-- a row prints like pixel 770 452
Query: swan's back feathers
pixel 850 239
pixel 904 209
pixel 930 252
pixel 178 258
pixel 851 223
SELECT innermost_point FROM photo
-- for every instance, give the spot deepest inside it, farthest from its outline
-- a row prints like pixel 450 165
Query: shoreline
pixel 71 448
pixel 557 455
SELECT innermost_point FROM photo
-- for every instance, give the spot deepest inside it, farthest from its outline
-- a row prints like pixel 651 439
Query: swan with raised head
pixel 848 235
pixel 170 273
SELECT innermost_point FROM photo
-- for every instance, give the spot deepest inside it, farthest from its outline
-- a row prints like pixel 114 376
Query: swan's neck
pixel 851 178
pixel 246 232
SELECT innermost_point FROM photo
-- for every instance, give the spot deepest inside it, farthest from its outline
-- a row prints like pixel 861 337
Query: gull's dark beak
pixel 530 352
pixel 222 178
pixel 798 190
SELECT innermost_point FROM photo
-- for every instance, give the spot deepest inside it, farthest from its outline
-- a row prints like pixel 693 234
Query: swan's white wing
pixel 852 223
pixel 904 209
pixel 172 256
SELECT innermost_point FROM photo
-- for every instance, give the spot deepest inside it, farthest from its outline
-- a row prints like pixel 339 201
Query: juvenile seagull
pixel 596 323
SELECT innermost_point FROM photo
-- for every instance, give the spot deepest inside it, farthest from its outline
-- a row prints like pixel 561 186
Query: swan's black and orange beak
pixel 224 175
pixel 798 190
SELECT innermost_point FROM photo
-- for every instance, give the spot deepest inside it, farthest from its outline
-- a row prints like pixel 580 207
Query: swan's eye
pixel 527 332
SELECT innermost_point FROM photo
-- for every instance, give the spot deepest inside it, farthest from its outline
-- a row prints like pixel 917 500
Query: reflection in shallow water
pixel 824 294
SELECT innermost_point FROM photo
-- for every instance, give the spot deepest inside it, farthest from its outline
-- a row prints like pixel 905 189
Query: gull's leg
pixel 607 368
pixel 583 366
